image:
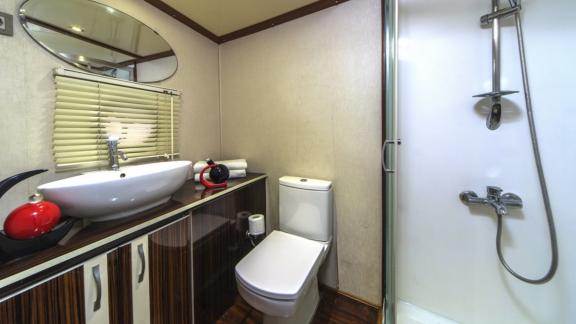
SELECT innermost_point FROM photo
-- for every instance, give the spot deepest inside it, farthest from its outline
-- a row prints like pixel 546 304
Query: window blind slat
pixel 88 112
pixel 104 152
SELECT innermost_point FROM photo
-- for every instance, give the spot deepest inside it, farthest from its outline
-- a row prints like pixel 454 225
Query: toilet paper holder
pixel 256 228
pixel 255 239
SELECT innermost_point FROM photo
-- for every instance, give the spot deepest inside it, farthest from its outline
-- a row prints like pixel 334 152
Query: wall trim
pixel 350 296
pixel 269 23
pixel 183 19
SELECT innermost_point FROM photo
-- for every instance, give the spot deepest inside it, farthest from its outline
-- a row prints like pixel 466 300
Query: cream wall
pixel 27 95
pixel 301 99
pixel 304 98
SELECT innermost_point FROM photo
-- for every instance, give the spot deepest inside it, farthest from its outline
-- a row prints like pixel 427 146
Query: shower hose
pixel 539 167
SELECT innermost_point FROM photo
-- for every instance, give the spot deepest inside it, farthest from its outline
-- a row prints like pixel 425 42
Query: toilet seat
pixel 281 266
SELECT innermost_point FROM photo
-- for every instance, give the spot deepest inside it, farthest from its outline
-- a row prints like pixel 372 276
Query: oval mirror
pixel 99 39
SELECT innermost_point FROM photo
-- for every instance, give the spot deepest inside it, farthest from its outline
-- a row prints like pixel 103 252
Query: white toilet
pixel 279 277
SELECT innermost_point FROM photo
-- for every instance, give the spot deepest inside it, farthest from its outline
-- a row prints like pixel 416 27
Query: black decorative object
pixel 219 173
pixel 10 182
pixel 10 248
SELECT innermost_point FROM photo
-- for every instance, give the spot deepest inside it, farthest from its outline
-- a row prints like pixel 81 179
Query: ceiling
pixel 225 16
pixel 224 20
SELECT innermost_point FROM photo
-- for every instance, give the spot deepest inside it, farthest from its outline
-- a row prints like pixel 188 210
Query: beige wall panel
pixel 300 99
pixel 304 98
pixel 27 92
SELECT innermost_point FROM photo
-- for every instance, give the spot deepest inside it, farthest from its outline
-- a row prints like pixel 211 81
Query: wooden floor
pixel 334 308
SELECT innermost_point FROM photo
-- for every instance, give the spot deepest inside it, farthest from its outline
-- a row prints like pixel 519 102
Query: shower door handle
pixel 385 154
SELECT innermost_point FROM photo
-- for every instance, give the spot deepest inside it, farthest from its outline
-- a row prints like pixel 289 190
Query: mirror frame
pixel 23 21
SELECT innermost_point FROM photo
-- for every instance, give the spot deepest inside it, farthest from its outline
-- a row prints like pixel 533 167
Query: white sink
pixel 106 195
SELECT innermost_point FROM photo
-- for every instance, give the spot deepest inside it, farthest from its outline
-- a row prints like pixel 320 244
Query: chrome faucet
pixel 113 154
pixel 494 197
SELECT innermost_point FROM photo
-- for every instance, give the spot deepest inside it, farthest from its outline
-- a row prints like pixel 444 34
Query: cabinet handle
pixel 143 260
pixel 98 280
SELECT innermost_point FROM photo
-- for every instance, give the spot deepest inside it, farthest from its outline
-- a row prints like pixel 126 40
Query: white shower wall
pixel 447 261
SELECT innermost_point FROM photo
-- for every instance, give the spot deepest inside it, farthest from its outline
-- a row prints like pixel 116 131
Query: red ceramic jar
pixel 32 219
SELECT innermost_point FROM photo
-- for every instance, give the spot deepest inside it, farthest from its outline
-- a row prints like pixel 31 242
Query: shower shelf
pixel 495 94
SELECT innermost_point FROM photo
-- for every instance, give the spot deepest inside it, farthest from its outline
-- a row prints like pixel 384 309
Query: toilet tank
pixel 306 208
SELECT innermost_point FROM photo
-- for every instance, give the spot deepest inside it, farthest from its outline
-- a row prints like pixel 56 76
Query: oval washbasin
pixel 107 195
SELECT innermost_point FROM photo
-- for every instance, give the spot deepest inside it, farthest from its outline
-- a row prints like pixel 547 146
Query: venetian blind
pixel 89 112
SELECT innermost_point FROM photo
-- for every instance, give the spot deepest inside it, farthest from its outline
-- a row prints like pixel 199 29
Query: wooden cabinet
pixel 76 297
pixel 148 280
pixel 129 283
pixel 170 253
pixel 57 301
pixel 120 285
pixel 179 271
pixel 219 242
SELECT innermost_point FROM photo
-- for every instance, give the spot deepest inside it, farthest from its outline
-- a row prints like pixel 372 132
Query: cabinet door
pixel 171 274
pixel 120 285
pixel 57 301
pixel 219 243
pixel 96 290
pixel 128 283
pixel 140 280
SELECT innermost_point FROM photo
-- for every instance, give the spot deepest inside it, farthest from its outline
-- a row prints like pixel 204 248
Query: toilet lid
pixel 279 266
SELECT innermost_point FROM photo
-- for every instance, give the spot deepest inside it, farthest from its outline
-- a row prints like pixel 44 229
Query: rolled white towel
pixel 239 164
pixel 234 174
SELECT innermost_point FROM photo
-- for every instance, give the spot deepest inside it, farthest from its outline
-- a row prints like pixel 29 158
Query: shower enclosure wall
pixel 445 257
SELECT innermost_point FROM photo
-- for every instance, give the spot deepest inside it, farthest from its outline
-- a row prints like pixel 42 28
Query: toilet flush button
pixel 303 180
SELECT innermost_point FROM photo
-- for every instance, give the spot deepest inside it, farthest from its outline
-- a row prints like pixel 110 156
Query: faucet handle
pixel 123 155
pixel 511 200
pixel 493 191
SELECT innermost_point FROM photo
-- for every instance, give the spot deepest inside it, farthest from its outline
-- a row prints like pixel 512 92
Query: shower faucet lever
pixel 493 192
pixel 494 198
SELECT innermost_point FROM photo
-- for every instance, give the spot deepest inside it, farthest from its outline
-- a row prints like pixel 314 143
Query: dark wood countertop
pixel 92 239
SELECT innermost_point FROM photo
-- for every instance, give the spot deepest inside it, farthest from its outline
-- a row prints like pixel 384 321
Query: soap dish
pixel 11 248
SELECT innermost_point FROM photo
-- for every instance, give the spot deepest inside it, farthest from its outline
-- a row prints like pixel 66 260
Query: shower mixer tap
pixel 500 202
pixel 494 198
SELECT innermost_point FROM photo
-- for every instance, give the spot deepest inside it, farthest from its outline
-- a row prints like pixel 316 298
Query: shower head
pixel 493 119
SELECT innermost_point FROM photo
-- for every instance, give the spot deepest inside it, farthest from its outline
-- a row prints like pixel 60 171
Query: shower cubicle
pixel 479 160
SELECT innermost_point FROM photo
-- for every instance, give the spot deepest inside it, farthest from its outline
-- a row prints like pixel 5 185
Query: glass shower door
pixel 389 156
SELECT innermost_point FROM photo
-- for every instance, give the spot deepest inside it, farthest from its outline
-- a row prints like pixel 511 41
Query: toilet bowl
pixel 279 276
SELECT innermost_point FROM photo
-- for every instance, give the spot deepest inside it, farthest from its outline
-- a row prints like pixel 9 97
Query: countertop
pixel 90 238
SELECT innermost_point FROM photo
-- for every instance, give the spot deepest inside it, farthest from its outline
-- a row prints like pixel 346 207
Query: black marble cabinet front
pixel 219 242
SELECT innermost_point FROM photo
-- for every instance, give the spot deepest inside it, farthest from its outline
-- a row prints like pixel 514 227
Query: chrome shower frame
pixel 495 116
pixel 390 157
pixel 493 122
